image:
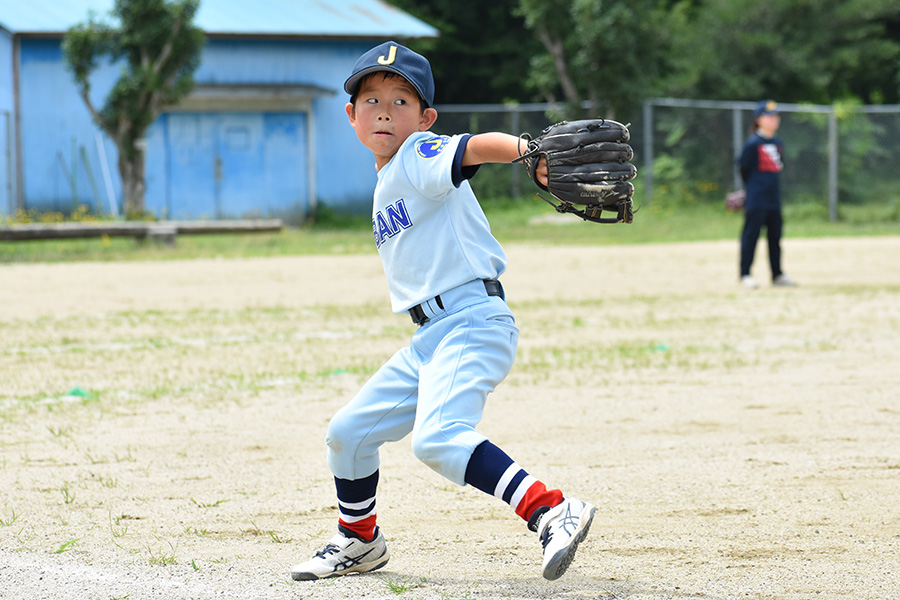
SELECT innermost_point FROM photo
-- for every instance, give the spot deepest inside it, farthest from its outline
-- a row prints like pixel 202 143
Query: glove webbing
pixel 590 213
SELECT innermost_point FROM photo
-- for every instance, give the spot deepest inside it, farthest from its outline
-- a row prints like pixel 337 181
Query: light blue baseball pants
pixel 435 388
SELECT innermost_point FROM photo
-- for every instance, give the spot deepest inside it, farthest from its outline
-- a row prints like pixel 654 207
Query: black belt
pixel 491 286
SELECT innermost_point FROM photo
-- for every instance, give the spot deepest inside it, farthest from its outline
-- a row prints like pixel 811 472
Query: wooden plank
pixel 136 229
pixel 236 226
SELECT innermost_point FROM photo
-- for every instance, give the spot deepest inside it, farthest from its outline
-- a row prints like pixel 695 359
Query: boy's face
pixel 387 111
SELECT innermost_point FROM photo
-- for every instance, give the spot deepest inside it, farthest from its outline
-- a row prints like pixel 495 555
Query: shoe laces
pixel 565 522
pixel 328 549
pixel 545 539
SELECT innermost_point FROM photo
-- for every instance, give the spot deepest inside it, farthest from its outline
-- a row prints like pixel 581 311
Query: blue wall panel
pixel 56 125
pixel 6 72
pixel 286 159
pixel 7 202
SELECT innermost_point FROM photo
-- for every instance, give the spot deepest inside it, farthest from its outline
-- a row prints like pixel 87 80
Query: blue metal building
pixel 264 134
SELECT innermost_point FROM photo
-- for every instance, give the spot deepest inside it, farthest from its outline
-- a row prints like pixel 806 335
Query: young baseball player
pixel 442 266
pixel 761 164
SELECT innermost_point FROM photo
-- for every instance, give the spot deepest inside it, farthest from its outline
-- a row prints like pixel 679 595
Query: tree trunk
pixel 133 184
pixel 556 50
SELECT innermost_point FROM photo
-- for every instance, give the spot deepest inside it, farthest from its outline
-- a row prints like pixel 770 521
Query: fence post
pixel 832 165
pixel 516 129
pixel 737 145
pixel 648 151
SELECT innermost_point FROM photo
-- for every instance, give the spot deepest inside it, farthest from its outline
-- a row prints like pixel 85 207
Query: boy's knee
pixel 339 435
pixel 428 447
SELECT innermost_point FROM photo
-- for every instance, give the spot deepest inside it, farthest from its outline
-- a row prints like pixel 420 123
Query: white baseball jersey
pixel 430 231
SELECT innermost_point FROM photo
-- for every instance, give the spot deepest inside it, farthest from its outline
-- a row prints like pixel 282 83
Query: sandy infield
pixel 162 424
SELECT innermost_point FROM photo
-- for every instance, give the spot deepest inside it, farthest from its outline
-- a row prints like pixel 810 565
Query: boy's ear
pixel 429 116
pixel 351 113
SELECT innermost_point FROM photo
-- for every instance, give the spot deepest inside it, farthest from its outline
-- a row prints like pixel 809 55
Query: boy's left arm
pixel 496 147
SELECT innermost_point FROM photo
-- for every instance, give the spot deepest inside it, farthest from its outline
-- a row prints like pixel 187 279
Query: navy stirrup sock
pixel 356 506
pixel 493 472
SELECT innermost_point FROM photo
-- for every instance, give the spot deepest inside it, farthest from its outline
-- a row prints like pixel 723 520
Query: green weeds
pixel 209 504
pixel 66 546
pixel 161 556
pixel 12 519
pixel 67 494
pixel 273 535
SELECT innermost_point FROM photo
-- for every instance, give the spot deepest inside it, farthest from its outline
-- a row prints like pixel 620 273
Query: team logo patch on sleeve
pixel 432 146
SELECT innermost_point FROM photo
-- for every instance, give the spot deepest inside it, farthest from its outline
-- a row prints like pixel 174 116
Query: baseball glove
pixel 734 201
pixel 588 168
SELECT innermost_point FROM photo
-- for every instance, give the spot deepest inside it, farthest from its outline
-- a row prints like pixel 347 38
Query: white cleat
pixel 343 555
pixel 784 281
pixel 560 530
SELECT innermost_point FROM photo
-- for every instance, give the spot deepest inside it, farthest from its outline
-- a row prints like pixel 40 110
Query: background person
pixel 761 164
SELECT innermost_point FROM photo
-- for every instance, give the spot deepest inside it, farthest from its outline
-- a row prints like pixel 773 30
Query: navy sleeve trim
pixel 461 173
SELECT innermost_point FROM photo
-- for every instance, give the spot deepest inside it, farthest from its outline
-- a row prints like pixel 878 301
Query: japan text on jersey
pixel 389 222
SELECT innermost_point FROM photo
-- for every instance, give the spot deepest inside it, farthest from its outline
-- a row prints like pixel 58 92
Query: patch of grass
pixel 108 482
pixel 66 546
pixel 278 539
pixel 68 495
pixel 275 536
pixel 397 586
pixel 58 432
pixel 349 240
pixel 191 530
pixel 209 504
pixel 12 519
pixel 161 556
pixel 527 220
pixel 115 528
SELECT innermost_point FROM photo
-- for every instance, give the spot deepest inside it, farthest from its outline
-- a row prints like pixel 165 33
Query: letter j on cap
pixel 392 56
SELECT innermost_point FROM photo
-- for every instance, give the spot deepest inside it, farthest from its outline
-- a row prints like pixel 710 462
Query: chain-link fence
pixel 834 156
pixel 497 181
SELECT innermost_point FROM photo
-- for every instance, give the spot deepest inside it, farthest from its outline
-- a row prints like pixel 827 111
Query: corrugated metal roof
pixel 339 18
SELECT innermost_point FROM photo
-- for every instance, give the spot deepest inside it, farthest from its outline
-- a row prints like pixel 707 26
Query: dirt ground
pixel 162 425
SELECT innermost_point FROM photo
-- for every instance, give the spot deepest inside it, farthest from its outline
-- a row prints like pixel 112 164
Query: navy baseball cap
pixel 766 107
pixel 391 56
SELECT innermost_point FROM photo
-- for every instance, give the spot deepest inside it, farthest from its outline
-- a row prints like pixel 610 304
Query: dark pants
pixel 754 220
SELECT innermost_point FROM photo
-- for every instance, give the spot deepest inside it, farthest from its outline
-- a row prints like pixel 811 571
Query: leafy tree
pixel 160 49
pixel 815 51
pixel 483 52
pixel 615 53
pixel 612 53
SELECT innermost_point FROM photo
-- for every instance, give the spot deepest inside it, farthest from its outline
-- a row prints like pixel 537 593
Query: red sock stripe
pixel 364 529
pixel 536 497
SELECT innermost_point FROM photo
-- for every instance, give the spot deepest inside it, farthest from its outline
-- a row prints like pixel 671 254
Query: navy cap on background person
pixel 765 107
pixel 393 57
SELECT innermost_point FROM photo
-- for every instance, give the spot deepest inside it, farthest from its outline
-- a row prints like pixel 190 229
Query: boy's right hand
pixel 541 173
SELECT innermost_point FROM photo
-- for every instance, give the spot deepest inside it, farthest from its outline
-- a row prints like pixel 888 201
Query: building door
pixel 237 165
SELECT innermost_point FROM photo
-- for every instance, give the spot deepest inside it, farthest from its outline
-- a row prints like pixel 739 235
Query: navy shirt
pixel 761 165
